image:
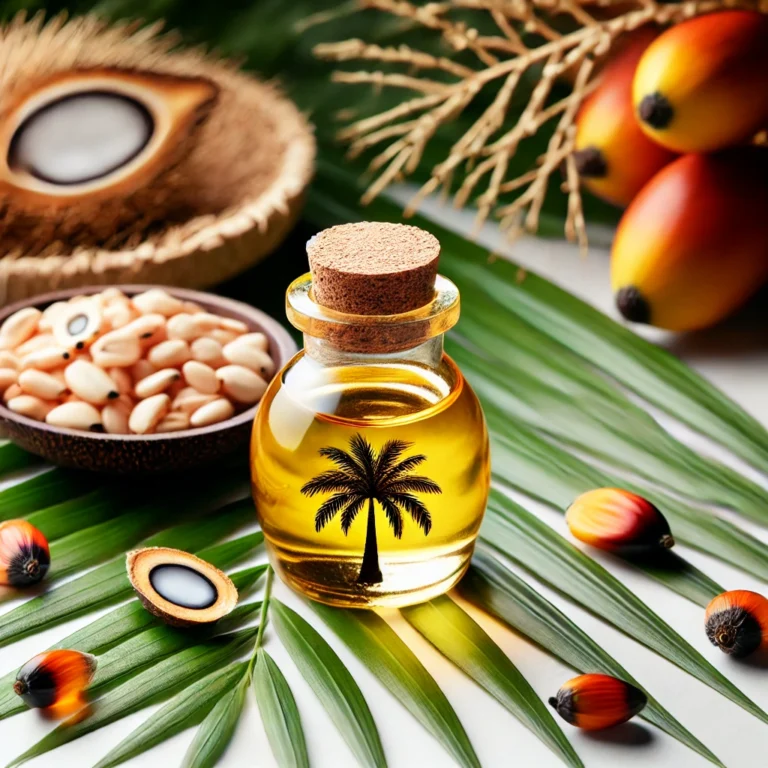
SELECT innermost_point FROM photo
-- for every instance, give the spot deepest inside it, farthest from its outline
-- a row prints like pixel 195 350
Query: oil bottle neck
pixel 428 354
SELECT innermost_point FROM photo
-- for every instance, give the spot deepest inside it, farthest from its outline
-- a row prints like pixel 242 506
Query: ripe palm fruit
pixel 737 622
pixel 24 554
pixel 56 681
pixel 703 85
pixel 613 155
pixel 693 245
pixel 618 520
pixel 595 702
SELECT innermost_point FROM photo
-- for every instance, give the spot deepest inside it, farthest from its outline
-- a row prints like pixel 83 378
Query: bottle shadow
pixel 626 734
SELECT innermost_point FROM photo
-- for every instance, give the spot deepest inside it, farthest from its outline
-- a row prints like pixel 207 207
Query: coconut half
pixel 123 160
pixel 180 589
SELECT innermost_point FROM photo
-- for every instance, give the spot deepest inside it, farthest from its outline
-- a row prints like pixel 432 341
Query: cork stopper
pixel 373 268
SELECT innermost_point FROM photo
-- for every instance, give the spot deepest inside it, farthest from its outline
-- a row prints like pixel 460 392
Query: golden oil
pixel 434 414
pixel 369 454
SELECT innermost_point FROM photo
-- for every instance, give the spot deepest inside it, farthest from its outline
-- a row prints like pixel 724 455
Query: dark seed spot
pixel 632 305
pixel 590 163
pixel 80 344
pixel 656 111
pixel 66 355
pixel 147 335
pixel 113 395
pixel 735 632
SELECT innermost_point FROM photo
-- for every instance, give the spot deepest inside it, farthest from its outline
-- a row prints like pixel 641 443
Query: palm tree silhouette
pixel 363 476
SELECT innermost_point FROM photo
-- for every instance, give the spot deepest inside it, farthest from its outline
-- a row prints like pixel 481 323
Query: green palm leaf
pixel 119 625
pixel 109 583
pixel 44 490
pixel 522 536
pixel 499 591
pixel 372 640
pixel 549 473
pixel 186 709
pixel 332 683
pixel 153 685
pixel 460 639
pixel 216 731
pixel 279 713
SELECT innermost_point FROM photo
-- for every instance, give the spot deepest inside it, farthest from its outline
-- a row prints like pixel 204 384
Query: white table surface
pixel 736 359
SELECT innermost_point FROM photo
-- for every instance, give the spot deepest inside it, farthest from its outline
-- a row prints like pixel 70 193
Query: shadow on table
pixel 626 734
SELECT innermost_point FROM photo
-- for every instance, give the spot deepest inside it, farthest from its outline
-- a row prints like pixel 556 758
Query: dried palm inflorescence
pixel 566 38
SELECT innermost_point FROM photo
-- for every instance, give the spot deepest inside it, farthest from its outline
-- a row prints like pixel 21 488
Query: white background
pixel 735 358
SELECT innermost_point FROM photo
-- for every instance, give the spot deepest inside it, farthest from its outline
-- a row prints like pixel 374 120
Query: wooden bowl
pixel 146 454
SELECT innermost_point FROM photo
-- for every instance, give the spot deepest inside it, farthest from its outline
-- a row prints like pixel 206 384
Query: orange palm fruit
pixel 693 245
pixel 613 155
pixel 737 622
pixel 703 84
pixel 56 681
pixel 593 702
pixel 618 520
pixel 24 554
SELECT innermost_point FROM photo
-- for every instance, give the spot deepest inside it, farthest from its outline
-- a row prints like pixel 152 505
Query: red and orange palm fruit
pixel 24 554
pixel 56 681
pixel 693 245
pixel 613 155
pixel 618 521
pixel 737 622
pixel 594 702
pixel 702 85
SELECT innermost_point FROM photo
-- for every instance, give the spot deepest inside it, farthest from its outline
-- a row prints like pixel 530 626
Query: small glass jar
pixel 369 456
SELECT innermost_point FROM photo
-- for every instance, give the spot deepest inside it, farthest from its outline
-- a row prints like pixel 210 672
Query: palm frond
pixel 333 480
pixel 415 508
pixel 328 510
pixel 350 512
pixel 389 453
pixel 394 516
pixel 406 465
pixel 411 484
pixel 363 452
pixel 343 460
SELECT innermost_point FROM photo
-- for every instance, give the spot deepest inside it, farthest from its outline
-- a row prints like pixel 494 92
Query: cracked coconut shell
pixel 122 159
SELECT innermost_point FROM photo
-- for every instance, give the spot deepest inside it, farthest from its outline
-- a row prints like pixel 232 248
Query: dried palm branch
pixel 553 40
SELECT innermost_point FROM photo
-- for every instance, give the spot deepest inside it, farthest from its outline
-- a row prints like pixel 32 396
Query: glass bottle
pixel 369 454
